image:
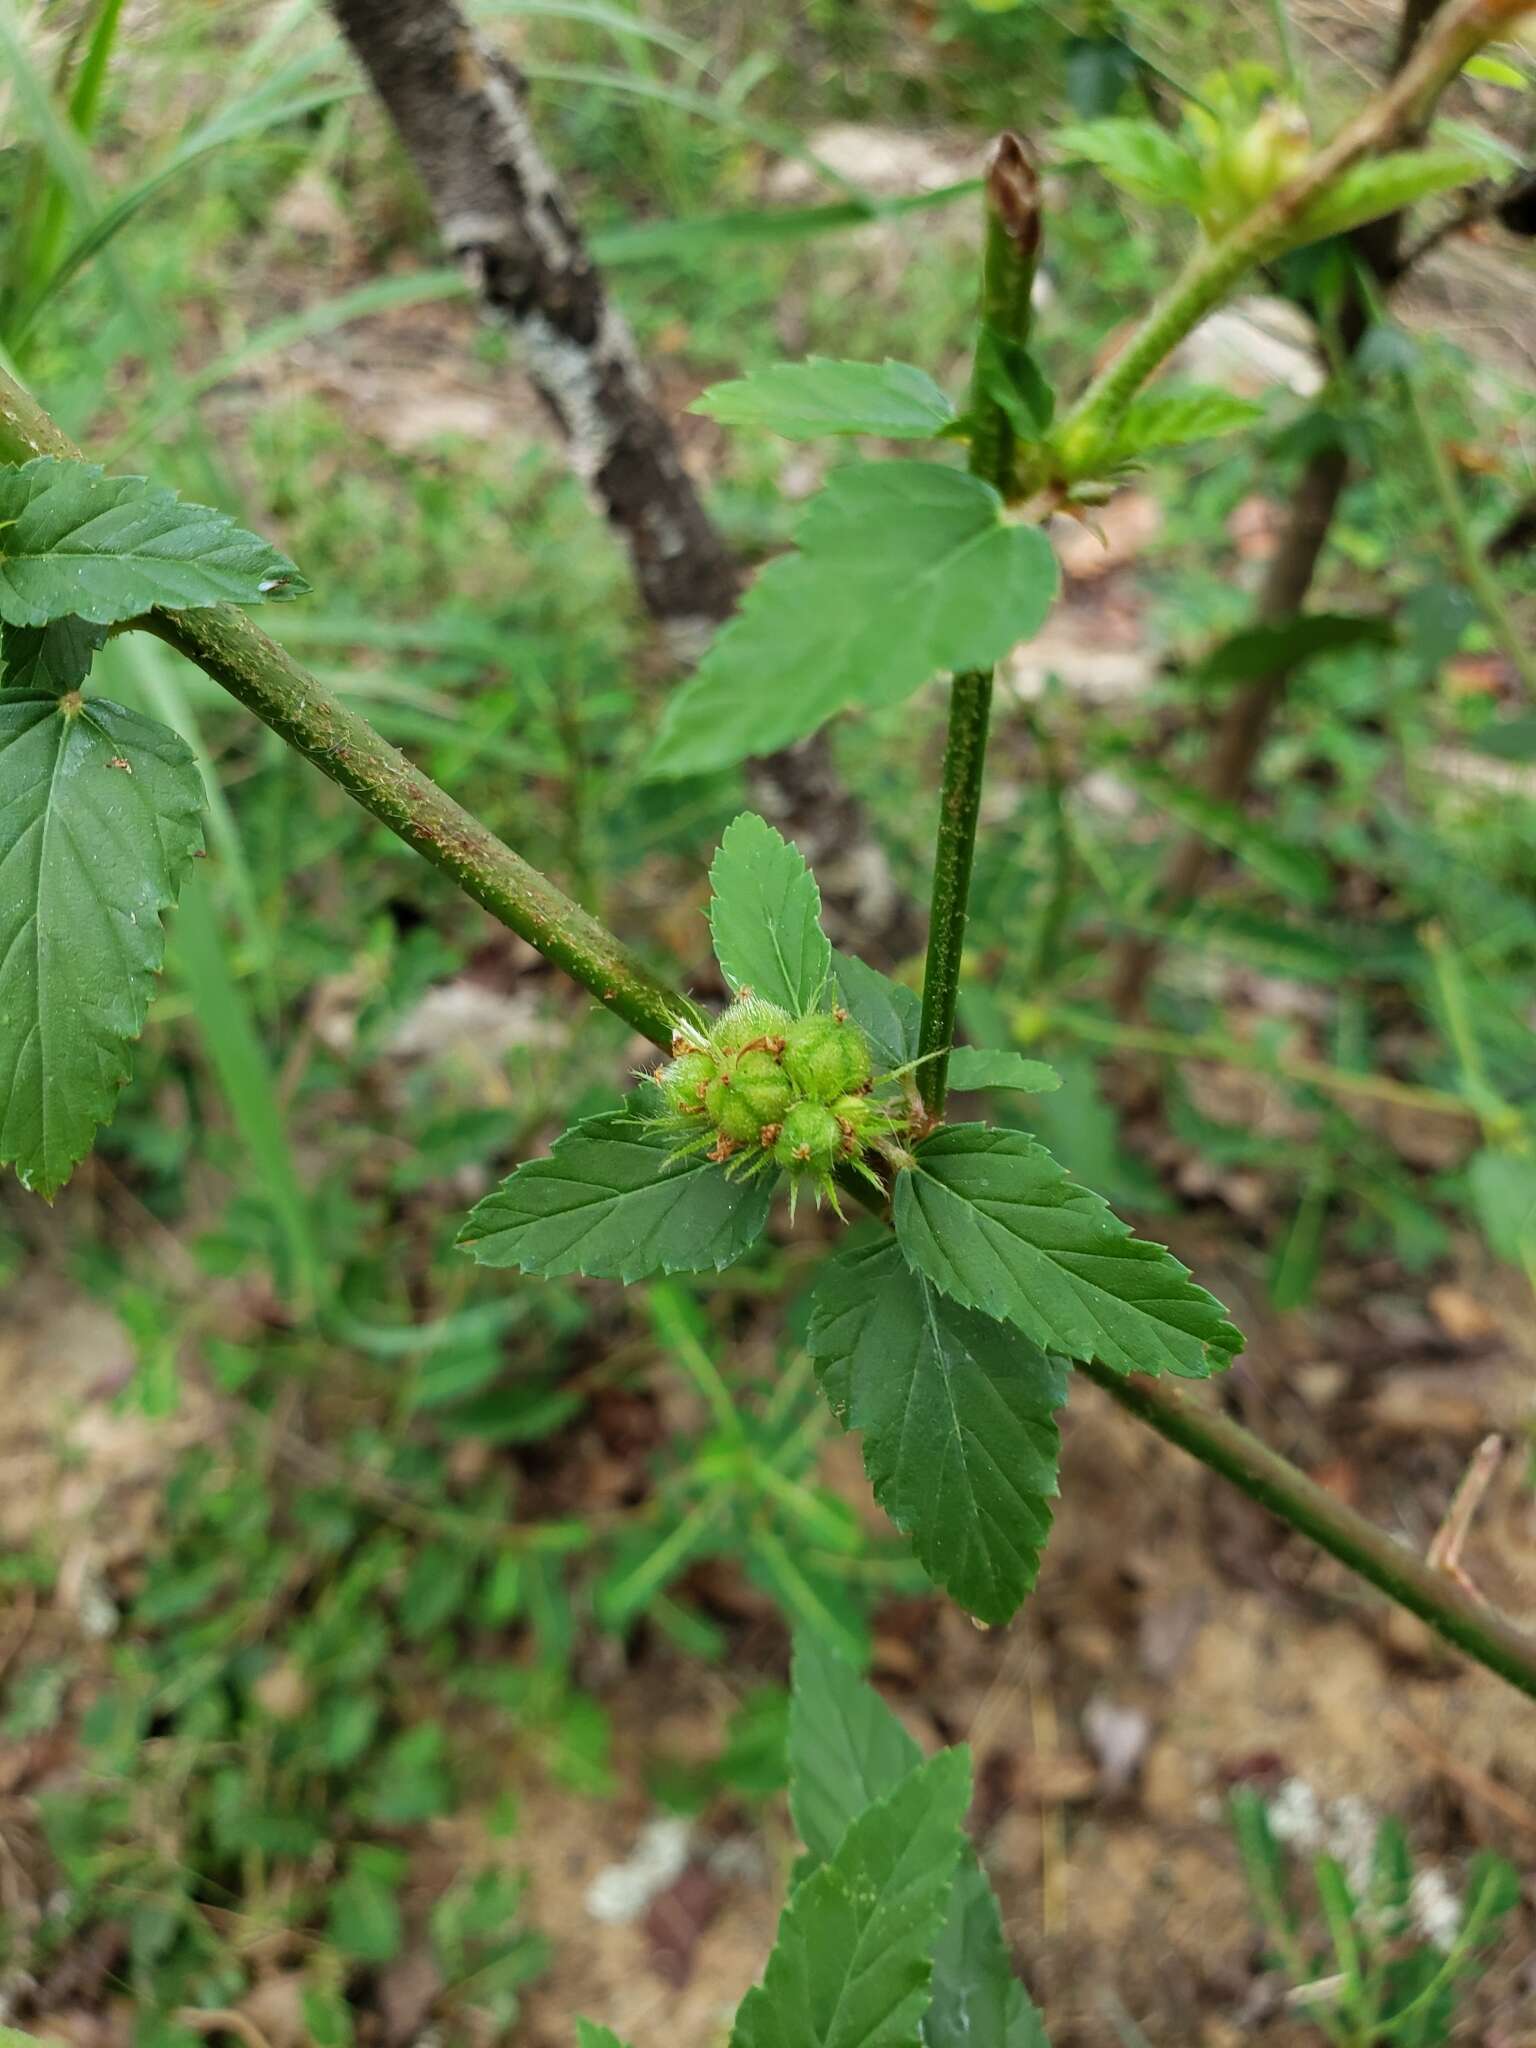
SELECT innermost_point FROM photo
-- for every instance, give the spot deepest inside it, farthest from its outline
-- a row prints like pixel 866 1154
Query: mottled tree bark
pixel 461 112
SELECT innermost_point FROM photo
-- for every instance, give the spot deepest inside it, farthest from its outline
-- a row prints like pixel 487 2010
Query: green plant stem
pixel 1009 258
pixel 1479 578
pixel 228 646
pixel 1457 33
pixel 1275 1483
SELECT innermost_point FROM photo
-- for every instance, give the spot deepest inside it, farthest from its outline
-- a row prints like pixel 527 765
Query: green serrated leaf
pixel 588 2035
pixel 54 657
pixel 1172 419
pixel 846 1748
pixel 958 1415
pixel 850 1968
pixel 99 822
pixel 971 1066
pixel 977 2000
pixel 887 1012
pixel 1381 186
pixel 74 542
pixel 611 1201
pixel 802 400
pixel 765 917
pixel 1139 157
pixel 902 569
pixel 1289 644
pixel 991 1219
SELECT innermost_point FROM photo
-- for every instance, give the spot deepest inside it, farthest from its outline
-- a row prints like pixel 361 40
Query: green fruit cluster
pixel 762 1089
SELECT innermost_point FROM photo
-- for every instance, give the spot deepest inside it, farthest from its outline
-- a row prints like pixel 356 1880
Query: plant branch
pixel 1246 719
pixel 1457 33
pixel 231 648
pixel 1265 1476
pixel 1009 259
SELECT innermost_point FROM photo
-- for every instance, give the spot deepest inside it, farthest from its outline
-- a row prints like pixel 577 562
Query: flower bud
pixel 684 1081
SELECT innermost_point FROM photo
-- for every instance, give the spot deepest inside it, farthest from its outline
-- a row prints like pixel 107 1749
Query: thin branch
pixel 1226 1447
pixel 1009 260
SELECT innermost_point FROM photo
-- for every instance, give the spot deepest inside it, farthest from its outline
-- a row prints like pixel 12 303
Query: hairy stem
pixel 1265 1476
pixel 1007 279
pixel 231 648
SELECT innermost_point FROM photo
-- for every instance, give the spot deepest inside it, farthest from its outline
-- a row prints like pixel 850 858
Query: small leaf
pixel 590 2036
pixel 990 1218
pixel 850 1968
pixel 958 1415
pixel 1289 644
pixel 612 1202
pixel 1013 380
pixel 1139 157
pixel 1170 419
pixel 971 1067
pixel 74 542
pixel 887 1012
pixel 846 1748
pixel 903 569
pixel 977 2000
pixel 1383 185
pixel 99 822
pixel 54 657
pixel 765 917
pixel 802 400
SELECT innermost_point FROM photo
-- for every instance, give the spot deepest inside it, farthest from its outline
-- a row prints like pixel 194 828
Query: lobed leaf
pixel 902 569
pixel 992 1220
pixel 802 400
pixel 612 1202
pixel 77 543
pixel 99 821
pixel 971 1066
pixel 54 657
pixel 851 1968
pixel 765 917
pixel 958 1415
pixel 1171 419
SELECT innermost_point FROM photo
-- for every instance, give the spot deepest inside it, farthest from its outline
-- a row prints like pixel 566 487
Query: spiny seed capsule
pixel 684 1081
pixel 826 1056
pixel 810 1139
pixel 751 1023
pixel 749 1092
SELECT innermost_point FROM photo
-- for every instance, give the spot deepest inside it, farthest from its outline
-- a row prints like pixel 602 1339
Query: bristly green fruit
pixel 827 1056
pixel 761 1090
